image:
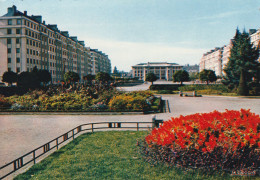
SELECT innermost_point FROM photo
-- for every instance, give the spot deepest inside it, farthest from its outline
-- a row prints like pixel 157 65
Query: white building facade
pixel 163 70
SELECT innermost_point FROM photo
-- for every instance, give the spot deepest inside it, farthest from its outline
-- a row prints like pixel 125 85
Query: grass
pixel 106 155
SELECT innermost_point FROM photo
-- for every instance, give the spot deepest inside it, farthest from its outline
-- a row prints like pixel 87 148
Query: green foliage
pixel 151 77
pixel 243 59
pixel 134 101
pixel 172 87
pixel 9 77
pixel 71 77
pixel 181 76
pixel 196 87
pixel 207 75
pixel 89 78
pixel 28 80
pixel 106 155
pixel 103 77
pixel 194 76
pixel 44 76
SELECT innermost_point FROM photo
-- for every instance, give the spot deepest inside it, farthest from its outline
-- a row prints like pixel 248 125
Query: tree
pixel 151 77
pixel 44 76
pixel 242 65
pixel 89 78
pixel 71 77
pixel 194 76
pixel 102 77
pixel 207 75
pixel 27 80
pixel 115 71
pixel 9 77
pixel 181 76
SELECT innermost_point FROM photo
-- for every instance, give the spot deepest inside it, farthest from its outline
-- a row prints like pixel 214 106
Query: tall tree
pixel 242 64
pixel 207 75
pixel 181 76
pixel 151 77
pixel 9 77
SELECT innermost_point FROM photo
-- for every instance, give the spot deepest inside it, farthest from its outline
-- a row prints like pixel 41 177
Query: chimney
pixel 44 22
pixel 25 13
pixel 11 10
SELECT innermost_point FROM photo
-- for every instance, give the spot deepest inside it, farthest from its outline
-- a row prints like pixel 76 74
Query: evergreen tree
pixel 242 64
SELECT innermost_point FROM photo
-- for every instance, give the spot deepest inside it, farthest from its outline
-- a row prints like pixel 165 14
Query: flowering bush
pixel 210 141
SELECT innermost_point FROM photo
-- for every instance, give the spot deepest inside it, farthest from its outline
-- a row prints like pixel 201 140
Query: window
pixel 17 50
pixel 31 61
pixel 9 31
pixel 17 40
pixel 24 22
pixel 18 31
pixel 27 60
pixel 17 60
pixel 9 60
pixel 18 21
pixel 31 42
pixel 27 41
pixel 9 41
pixel 9 50
pixel 27 51
pixel 26 32
pixel 9 21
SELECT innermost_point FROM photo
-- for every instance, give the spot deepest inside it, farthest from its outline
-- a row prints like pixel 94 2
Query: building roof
pixel 156 64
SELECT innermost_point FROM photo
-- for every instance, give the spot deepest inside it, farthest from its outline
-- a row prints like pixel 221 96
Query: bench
pixel 189 94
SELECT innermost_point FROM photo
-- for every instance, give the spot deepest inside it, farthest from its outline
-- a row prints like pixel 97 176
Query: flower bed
pixel 227 141
pixel 105 101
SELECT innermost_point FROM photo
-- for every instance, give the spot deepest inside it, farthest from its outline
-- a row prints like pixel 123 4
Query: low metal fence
pixel 33 155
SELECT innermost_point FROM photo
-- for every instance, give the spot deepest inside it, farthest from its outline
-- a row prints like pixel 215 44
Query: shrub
pixel 209 141
pixel 4 104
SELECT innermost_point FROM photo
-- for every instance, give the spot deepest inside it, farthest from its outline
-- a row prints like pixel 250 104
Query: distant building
pixel 191 68
pixel 162 70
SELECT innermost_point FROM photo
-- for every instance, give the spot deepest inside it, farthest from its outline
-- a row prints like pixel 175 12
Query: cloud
pixel 126 54
pixel 221 15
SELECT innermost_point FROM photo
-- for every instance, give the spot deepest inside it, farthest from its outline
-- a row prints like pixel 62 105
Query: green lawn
pixel 105 155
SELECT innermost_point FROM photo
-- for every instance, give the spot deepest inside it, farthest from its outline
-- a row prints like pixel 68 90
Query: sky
pixel 138 31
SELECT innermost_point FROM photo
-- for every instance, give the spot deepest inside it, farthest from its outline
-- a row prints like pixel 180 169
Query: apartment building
pixel 27 42
pixel 162 70
pixel 212 60
pixel 100 62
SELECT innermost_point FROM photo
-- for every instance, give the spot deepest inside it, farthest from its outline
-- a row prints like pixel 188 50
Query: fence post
pixel 73 134
pixel 92 130
pixel 137 124
pixel 34 161
pixel 57 143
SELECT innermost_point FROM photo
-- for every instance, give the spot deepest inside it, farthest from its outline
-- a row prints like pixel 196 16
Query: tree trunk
pixel 242 87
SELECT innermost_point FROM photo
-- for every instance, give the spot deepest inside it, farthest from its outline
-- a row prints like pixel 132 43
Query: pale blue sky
pixel 135 31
